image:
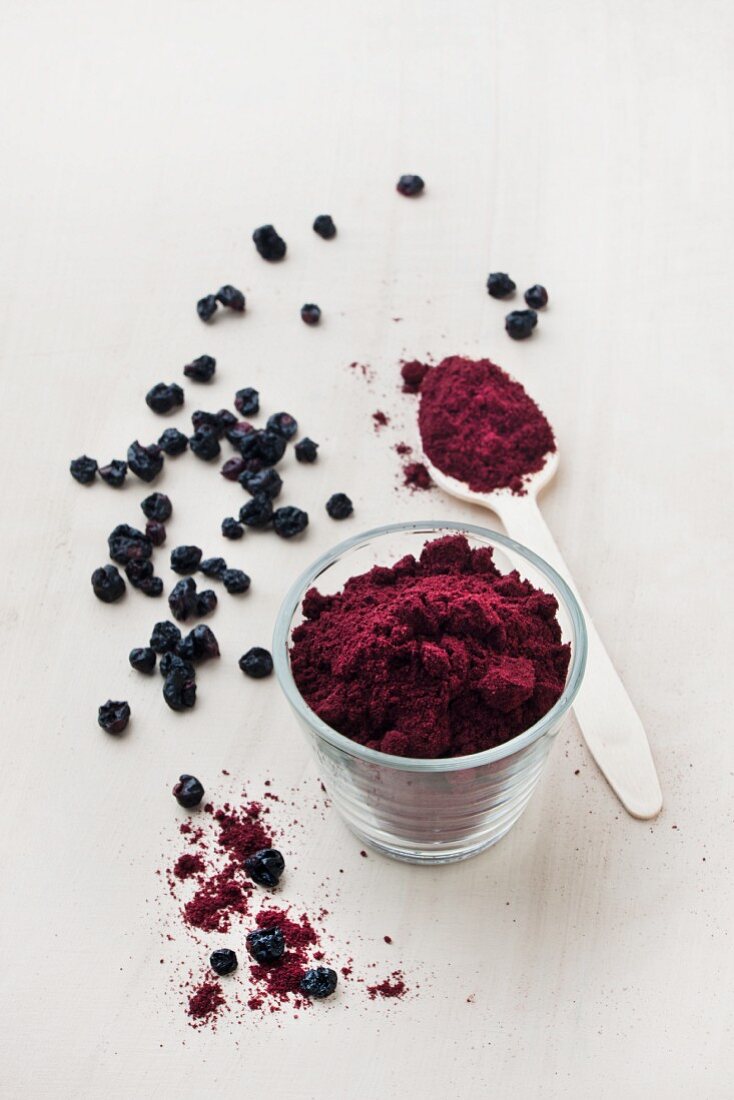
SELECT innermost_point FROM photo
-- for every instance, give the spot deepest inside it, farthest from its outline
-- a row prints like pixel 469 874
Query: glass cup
pixel 428 811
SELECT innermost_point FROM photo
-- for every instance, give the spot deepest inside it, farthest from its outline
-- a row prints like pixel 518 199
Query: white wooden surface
pixel 581 143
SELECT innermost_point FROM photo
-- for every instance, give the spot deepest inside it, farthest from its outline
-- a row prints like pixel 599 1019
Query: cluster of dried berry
pixel 519 324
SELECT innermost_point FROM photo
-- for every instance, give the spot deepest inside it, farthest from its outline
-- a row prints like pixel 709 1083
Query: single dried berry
pixel 339 506
pixel 324 226
pixel 223 961
pixel 163 397
pixel 178 692
pixel 231 297
pixel 157 506
pixel 500 285
pixel 266 446
pixel 142 659
pixel 182 600
pixel 199 644
pixel 206 602
pixel 145 462
pixel 205 443
pixel 233 467
pixel 310 313
pixel 185 559
pixel 258 512
pixel 206 307
pixel 165 637
pixel 235 581
pixel 173 442
pixel 172 662
pixel 256 663
pixel 114 717
pixel 306 450
pixel 266 481
pixel 83 469
pixel 156 532
pixel 202 419
pixel 410 186
pixel 188 792
pixel 247 401
pixel 318 983
pixel 151 586
pixel 201 369
pixel 289 521
pixel 126 544
pixel 283 423
pixel 139 570
pixel 114 473
pixel 268 243
pixel 226 420
pixel 266 945
pixel 107 583
pixel 265 867
pixel 520 323
pixel 535 296
pixel 231 529
pixel 212 567
pixel 237 433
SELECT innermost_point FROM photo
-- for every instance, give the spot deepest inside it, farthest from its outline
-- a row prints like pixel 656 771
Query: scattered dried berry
pixel 172 662
pixel 536 296
pixel 126 544
pixel 157 506
pixel 257 512
pixel 306 450
pixel 179 692
pixel 142 659
pixel 139 570
pixel 200 644
pixel 156 532
pixel 520 323
pixel 83 469
pixel 266 945
pixel 266 481
pixel 237 433
pixel 151 586
pixel 310 313
pixel 202 419
pixel 319 982
pixel 289 521
pixel 201 369
pixel 173 442
pixel 233 467
pixel 268 243
pixel 500 285
pixel 206 602
pixel 410 186
pixel 212 567
pixel 107 583
pixel 223 961
pixel 256 663
pixel 235 581
pixel 162 397
pixel 324 226
pixel 182 600
pixel 231 529
pixel 247 401
pixel 165 637
pixel 283 423
pixel 231 297
pixel 185 559
pixel 205 443
pixel 114 717
pixel 225 420
pixel 265 867
pixel 267 446
pixel 145 462
pixel 206 307
pixel 114 473
pixel 188 792
pixel 339 506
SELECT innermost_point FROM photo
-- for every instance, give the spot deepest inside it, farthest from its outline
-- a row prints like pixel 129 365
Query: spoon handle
pixel 609 722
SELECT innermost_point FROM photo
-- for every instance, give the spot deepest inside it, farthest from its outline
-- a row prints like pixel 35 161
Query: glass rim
pixel 293 599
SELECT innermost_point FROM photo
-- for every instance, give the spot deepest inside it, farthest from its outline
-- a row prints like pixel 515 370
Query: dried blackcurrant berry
pixel 324 226
pixel 233 467
pixel 138 570
pixel 107 583
pixel 267 446
pixel 206 602
pixel 284 424
pixel 200 643
pixel 256 663
pixel 206 307
pixel 185 559
pixel 114 473
pixel 178 692
pixel 231 297
pixel 172 662
pixel 339 506
pixel 237 433
pixel 318 983
pixel 500 285
pixel 212 567
pixel 226 420
pixel 126 544
pixel 165 637
pixel 289 521
pixel 163 397
pixel 265 867
pixel 114 717
pixel 223 961
pixel 205 443
pixel 83 469
pixel 188 792
pixel 258 512
pixel 247 401
pixel 410 186
pixel 182 600
pixel 142 659
pixel 235 581
pixel 520 323
pixel 306 450
pixel 310 313
pixel 268 243
pixel 202 419
pixel 201 369
pixel 535 296
pixel 156 532
pixel 157 506
pixel 266 481
pixel 145 462
pixel 173 442
pixel 231 529
pixel 266 945
pixel 151 586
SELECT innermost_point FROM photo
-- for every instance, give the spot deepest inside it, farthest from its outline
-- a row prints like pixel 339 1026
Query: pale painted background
pixel 585 144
